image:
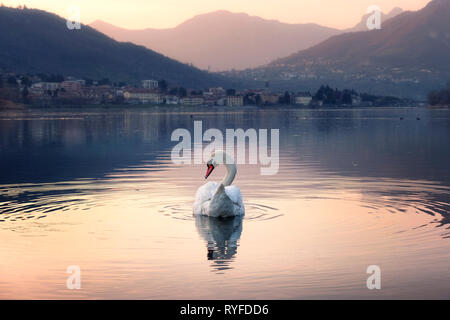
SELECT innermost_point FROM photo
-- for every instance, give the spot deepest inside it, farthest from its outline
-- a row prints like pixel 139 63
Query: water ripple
pixel 253 211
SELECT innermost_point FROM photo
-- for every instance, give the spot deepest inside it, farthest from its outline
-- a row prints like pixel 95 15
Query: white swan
pixel 219 200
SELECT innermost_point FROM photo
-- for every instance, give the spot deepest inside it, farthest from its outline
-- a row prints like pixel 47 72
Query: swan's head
pixel 211 164
pixel 217 157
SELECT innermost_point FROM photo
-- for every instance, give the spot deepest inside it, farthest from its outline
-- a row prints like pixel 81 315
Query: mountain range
pixel 419 39
pixel 408 55
pixel 35 41
pixel 223 40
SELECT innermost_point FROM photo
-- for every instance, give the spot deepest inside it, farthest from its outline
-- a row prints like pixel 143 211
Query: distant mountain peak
pixel 362 25
pixel 99 22
pixel 395 11
pixel 224 40
pixel 224 13
pixel 437 4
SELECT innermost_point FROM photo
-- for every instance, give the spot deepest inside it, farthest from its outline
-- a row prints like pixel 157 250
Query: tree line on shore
pixel 440 97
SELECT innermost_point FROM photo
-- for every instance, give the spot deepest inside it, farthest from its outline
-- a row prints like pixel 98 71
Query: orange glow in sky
pixel 138 14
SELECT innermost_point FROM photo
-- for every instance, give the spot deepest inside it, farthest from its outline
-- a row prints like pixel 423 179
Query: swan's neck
pixel 231 173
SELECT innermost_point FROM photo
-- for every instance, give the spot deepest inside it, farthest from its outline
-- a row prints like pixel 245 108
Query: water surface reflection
pixel 356 187
pixel 221 237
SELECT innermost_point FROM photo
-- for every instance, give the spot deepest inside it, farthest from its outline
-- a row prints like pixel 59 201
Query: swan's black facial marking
pixel 209 170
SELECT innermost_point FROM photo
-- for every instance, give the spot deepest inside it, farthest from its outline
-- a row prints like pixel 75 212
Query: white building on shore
pixel 143 96
pixel 303 99
pixel 192 101
pixel 235 101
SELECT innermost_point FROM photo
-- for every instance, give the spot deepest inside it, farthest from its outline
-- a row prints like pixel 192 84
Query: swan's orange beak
pixel 209 170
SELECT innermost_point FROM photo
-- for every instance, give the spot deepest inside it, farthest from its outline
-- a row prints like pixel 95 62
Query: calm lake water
pixel 97 189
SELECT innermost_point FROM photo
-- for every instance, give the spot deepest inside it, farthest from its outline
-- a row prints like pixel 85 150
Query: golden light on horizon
pixel 138 14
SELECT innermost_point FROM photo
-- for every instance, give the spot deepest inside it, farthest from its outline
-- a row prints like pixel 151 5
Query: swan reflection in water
pixel 222 238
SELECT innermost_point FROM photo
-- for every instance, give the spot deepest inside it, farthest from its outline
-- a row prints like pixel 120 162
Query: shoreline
pixel 191 111
pixel 10 106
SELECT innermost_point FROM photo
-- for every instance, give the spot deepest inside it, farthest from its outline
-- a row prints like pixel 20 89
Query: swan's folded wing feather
pixel 234 193
pixel 206 192
pixel 203 197
pixel 221 204
pixel 214 199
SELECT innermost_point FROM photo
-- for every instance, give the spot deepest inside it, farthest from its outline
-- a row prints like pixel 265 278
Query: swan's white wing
pixel 203 197
pixel 214 201
pixel 234 193
pixel 206 191
pixel 221 205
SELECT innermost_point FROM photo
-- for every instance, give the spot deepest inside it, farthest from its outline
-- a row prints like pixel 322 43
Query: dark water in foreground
pixel 97 189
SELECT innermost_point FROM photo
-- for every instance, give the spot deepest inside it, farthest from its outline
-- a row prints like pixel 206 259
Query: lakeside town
pixel 55 90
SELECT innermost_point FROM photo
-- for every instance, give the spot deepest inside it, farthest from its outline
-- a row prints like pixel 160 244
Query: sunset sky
pixel 136 14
